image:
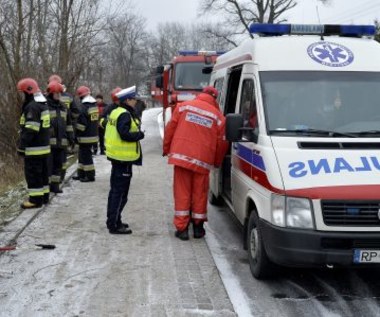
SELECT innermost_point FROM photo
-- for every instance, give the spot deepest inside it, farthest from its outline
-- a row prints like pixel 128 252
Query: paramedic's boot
pixel 182 235
pixel 28 205
pixel 199 231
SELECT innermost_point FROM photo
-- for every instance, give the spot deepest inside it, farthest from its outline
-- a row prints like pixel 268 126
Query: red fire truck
pixel 183 78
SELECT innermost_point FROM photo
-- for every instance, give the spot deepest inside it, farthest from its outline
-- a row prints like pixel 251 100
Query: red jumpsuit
pixel 195 143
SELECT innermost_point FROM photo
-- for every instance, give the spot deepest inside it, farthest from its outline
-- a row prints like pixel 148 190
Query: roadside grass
pixel 13 189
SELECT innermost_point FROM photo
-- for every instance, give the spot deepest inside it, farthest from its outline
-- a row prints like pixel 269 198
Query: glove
pixel 142 135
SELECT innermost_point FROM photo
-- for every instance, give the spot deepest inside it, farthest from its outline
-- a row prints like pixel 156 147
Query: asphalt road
pixel 291 292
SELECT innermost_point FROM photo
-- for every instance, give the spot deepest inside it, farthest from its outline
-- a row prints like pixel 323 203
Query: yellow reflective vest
pixel 116 148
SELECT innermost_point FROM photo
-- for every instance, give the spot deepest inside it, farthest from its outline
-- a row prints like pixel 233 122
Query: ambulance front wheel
pixel 261 267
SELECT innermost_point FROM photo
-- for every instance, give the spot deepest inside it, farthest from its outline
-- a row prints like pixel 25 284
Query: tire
pixel 214 200
pixel 259 263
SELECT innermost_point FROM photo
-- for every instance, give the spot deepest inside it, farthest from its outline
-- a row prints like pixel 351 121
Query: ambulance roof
pixel 306 52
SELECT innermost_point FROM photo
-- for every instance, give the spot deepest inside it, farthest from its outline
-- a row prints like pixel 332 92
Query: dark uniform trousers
pixel 65 165
pixel 37 179
pixel 86 168
pixel 121 175
pixel 55 168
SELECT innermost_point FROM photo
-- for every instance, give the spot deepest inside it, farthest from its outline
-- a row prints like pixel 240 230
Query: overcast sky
pixel 340 11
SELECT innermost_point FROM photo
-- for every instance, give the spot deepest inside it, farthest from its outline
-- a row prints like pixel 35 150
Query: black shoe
pixel 86 179
pixel 120 230
pixel 76 178
pixel 199 231
pixel 123 225
pixel 58 191
pixel 182 235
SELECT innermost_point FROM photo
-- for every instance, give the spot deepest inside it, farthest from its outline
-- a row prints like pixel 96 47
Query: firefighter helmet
pixel 211 91
pixel 28 86
pixel 55 88
pixel 55 78
pixel 114 92
pixel 83 91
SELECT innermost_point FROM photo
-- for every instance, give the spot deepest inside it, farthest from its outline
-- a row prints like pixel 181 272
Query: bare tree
pixel 240 14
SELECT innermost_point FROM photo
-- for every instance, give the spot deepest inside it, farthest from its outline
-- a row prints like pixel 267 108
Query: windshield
pixel 325 103
pixel 189 76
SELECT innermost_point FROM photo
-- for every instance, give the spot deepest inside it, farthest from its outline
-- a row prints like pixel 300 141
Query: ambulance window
pixel 248 107
pixel 219 86
pixel 232 90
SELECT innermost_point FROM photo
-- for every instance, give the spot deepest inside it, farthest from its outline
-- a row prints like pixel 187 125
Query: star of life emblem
pixel 330 54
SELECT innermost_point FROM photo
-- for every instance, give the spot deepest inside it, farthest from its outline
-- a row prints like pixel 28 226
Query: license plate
pixel 366 256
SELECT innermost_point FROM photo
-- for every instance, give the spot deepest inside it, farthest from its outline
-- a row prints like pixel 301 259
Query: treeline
pixel 86 42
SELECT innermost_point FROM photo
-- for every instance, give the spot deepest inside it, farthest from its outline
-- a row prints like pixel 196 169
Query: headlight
pixel 291 212
pixel 298 213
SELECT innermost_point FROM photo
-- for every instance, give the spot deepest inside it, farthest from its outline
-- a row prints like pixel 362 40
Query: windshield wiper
pixel 311 131
pixel 372 133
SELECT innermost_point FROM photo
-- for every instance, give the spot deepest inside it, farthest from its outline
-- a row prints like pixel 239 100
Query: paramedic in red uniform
pixel 195 143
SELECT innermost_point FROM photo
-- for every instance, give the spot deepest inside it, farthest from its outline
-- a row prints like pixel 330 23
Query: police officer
pixel 86 134
pixel 61 134
pixel 123 149
pixel 34 142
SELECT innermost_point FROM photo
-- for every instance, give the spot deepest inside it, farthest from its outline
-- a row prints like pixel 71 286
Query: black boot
pixel 199 231
pixel 87 179
pixel 120 230
pixel 182 235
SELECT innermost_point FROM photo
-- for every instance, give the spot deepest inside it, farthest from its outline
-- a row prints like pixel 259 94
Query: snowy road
pixel 92 273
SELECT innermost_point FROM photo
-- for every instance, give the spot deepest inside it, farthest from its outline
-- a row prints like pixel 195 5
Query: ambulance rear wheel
pixel 260 265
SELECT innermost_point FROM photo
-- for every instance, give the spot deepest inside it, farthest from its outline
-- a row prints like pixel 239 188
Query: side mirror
pixel 234 123
pixel 159 81
pixel 160 69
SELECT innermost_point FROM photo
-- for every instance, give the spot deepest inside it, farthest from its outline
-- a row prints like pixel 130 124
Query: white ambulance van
pixel 303 172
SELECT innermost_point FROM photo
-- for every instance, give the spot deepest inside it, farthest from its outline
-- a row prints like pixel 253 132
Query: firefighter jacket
pixel 105 115
pixel 194 137
pixel 123 135
pixel 87 123
pixel 34 125
pixel 61 129
pixel 71 105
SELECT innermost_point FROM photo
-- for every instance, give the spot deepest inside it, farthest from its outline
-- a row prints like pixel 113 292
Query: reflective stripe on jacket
pixel 87 123
pixel 116 148
pixel 35 125
pixel 194 137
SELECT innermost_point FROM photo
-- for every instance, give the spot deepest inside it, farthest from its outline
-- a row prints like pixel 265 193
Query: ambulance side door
pixel 244 153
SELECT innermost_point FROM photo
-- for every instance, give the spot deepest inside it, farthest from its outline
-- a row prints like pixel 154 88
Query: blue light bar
pixel 357 30
pixel 313 29
pixel 196 53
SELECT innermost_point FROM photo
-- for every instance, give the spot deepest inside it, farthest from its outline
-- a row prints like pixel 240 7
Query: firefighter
pixel 73 113
pixel 61 134
pixel 123 149
pixel 101 108
pixel 86 134
pixel 107 111
pixel 34 142
pixel 194 141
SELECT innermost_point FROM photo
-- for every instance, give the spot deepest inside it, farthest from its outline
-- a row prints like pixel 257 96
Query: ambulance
pixel 302 176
